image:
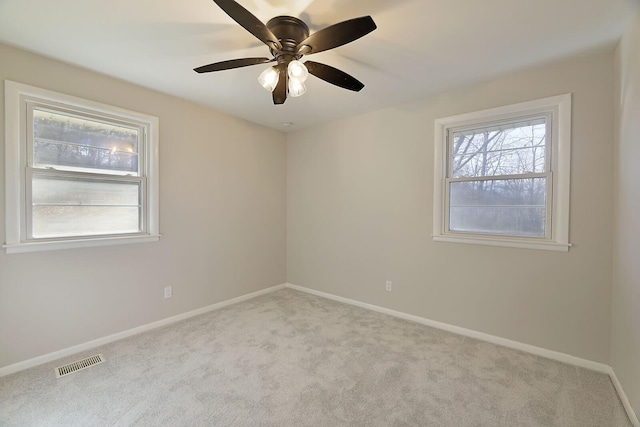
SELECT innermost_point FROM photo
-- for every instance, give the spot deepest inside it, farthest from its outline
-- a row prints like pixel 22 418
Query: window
pixel 79 173
pixel 502 176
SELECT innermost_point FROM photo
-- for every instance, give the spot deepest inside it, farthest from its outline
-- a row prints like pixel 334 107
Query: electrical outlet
pixel 168 292
pixel 388 286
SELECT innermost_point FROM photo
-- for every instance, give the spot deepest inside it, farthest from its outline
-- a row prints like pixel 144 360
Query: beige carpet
pixel 293 359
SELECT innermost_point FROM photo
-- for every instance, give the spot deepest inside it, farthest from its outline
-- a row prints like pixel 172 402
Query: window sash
pixel 548 204
pixel 84 114
pixel 83 177
pixel 508 123
pixel 529 119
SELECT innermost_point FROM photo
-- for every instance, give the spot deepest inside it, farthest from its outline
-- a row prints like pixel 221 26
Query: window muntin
pixel 498 178
pixel 78 173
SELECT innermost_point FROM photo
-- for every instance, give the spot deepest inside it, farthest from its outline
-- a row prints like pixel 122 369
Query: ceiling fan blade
pixel 232 63
pixel 280 92
pixel 250 23
pixel 337 35
pixel 334 76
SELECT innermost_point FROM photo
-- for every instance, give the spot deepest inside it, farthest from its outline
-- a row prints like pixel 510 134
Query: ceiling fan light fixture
pixel 288 40
pixel 268 79
pixel 297 70
pixel 296 87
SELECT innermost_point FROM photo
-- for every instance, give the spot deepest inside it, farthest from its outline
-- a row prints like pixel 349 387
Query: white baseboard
pixel 539 351
pixel 633 417
pixel 50 357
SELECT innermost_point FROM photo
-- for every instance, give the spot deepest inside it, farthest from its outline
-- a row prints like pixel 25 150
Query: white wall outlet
pixel 388 286
pixel 168 292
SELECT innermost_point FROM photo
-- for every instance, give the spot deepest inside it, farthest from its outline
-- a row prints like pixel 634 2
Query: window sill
pixel 16 248
pixel 506 242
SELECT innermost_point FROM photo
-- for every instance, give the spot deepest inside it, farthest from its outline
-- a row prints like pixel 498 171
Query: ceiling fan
pixel 288 40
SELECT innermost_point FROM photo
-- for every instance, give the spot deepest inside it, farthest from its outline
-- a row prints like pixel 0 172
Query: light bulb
pixel 297 70
pixel 296 87
pixel 269 78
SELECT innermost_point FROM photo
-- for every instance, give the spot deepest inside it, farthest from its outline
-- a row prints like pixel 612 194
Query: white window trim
pixel 15 165
pixel 560 107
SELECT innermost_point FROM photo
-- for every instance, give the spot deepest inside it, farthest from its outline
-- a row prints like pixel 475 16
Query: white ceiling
pixel 421 47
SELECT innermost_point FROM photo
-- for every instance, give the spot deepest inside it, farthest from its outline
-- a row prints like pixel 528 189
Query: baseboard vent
pixel 79 365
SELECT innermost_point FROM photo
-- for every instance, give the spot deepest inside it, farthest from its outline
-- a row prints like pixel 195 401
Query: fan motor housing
pixel 290 31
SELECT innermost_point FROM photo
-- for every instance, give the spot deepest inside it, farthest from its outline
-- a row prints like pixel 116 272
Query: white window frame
pixel 17 199
pixel 558 108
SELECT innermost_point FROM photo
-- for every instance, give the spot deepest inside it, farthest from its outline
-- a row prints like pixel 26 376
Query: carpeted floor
pixel 293 359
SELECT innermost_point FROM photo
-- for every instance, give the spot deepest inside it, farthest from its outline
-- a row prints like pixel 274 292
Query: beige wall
pixel 360 203
pixel 625 342
pixel 222 216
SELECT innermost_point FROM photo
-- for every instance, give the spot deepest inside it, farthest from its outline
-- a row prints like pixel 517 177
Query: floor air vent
pixel 79 365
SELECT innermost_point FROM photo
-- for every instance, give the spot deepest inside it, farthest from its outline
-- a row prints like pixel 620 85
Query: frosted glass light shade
pixel 269 78
pixel 296 87
pixel 297 70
